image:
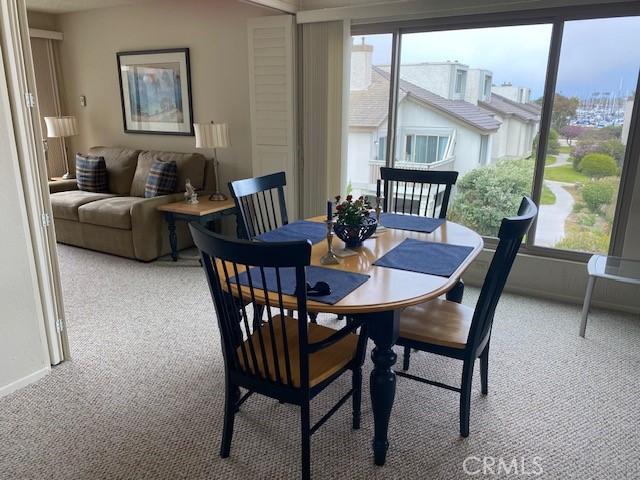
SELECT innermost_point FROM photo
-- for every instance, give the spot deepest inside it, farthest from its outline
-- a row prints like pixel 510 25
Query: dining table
pixel 379 301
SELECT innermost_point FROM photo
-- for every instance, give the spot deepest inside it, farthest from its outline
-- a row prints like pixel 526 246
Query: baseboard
pixel 24 381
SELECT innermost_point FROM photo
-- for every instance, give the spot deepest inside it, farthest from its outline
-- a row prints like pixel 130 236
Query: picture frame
pixel 155 91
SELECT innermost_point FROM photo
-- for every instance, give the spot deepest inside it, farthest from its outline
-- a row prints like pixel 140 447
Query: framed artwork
pixel 155 91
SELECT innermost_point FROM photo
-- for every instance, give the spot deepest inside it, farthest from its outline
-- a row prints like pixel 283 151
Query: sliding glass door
pixel 535 103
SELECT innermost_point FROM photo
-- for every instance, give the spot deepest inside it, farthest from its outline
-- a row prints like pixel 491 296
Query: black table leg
pixel 173 238
pixel 383 328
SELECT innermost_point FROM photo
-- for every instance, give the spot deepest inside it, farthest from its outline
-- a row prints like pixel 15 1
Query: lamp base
pixel 217 197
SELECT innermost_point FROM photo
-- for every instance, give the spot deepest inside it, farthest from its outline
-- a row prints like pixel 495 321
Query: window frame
pixel 556 16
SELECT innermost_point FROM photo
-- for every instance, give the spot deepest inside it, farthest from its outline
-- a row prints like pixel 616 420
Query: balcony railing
pixel 374 167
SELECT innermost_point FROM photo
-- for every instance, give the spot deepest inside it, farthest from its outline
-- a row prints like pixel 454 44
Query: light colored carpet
pixel 142 398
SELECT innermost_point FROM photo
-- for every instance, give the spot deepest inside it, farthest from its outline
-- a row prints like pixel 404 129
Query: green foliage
pixel 564 173
pixel 597 165
pixel 563 109
pixel 550 160
pixel 488 194
pixel 547 197
pixel 585 240
pixel 596 194
pixel 599 140
pixel 553 145
pixel 352 212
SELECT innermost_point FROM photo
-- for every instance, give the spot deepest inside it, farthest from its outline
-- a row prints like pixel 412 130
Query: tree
pixel 571 132
pixel 553 145
pixel 564 108
pixel 488 194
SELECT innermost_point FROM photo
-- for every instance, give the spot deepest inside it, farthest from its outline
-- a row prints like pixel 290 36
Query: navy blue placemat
pixel 341 283
pixel 410 222
pixel 425 257
pixel 300 230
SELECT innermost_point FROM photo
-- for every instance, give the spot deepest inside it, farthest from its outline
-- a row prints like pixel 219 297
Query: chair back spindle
pixel 417 192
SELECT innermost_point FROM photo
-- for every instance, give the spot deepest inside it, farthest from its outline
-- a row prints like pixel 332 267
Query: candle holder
pixel 381 228
pixel 330 257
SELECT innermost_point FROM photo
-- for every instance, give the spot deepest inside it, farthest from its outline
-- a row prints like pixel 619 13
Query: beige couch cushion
pixel 121 166
pixel 190 165
pixel 112 212
pixel 65 204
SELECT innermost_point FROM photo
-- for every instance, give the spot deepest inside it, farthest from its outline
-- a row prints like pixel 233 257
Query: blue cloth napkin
pixel 341 283
pixel 300 230
pixel 410 222
pixel 440 259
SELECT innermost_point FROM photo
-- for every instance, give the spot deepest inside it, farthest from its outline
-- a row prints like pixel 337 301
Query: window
pixel 487 86
pixel 368 112
pixel 382 148
pixel 461 81
pixel 492 154
pixel 428 148
pixel 589 132
pixel 467 102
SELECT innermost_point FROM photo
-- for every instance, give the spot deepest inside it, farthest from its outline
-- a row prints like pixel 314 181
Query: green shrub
pixel 586 240
pixel 598 165
pixel 596 194
pixel 487 194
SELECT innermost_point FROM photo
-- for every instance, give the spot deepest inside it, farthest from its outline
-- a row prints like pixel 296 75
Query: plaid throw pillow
pixel 162 179
pixel 91 173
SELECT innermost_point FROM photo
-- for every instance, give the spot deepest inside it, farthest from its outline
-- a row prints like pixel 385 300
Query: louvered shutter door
pixel 271 90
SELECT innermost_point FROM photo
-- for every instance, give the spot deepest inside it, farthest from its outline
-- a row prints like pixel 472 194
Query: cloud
pixel 597 55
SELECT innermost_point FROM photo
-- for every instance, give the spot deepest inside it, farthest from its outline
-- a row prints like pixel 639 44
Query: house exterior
pixel 448 118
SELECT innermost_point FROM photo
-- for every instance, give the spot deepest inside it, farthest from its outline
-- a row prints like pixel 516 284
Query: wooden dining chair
pixel 457 331
pixel 424 192
pixel 260 203
pixel 284 358
pixel 429 187
pixel 261 206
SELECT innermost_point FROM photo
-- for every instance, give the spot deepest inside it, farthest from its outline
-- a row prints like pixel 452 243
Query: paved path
pixel 561 159
pixel 551 219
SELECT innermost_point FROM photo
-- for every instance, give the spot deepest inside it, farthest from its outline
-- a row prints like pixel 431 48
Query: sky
pixel 597 55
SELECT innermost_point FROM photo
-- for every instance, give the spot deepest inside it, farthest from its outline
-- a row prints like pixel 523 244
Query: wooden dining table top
pixel 387 288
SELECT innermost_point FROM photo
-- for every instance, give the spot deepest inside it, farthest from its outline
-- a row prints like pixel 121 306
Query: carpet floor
pixel 142 397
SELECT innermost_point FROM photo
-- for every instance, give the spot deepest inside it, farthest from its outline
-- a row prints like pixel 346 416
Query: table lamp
pixel 213 135
pixel 62 127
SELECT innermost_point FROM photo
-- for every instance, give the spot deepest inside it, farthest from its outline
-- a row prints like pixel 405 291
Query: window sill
pixel 491 243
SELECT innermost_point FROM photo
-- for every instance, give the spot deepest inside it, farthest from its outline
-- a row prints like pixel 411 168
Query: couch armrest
pixel 56 186
pixel 148 227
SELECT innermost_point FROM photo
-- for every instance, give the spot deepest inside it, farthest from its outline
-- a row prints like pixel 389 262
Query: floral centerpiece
pixel 354 223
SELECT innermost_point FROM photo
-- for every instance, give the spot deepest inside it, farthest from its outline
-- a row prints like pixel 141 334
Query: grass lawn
pixel 550 160
pixel 547 197
pixel 565 149
pixel 564 173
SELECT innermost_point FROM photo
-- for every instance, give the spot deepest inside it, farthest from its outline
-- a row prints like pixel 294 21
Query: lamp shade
pixel 61 126
pixel 212 135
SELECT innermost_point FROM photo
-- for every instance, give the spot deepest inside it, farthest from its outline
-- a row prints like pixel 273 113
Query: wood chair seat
pixel 438 322
pixel 322 364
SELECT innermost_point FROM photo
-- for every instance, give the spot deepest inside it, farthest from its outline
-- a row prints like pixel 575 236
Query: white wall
pixel 23 351
pixel 360 145
pixel 215 33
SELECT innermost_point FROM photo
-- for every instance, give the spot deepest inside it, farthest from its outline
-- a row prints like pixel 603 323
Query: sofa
pixel 122 222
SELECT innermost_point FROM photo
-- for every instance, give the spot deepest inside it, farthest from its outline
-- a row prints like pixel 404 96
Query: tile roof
pixel 504 106
pixel 368 108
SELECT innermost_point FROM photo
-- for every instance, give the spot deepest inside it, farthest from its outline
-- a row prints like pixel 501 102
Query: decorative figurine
pixel 190 194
